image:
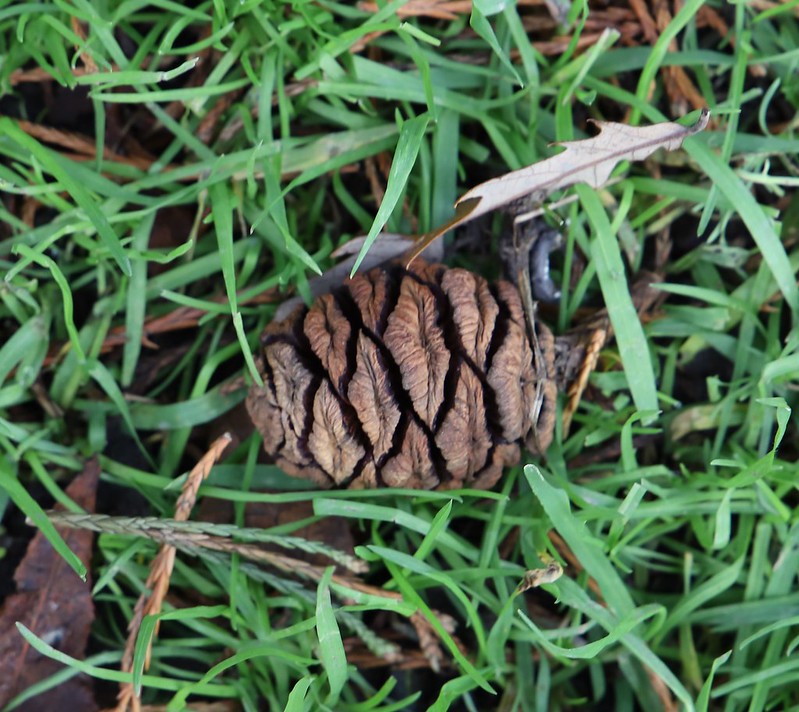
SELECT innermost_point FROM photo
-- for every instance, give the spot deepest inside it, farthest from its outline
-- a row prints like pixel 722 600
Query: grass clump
pixel 168 172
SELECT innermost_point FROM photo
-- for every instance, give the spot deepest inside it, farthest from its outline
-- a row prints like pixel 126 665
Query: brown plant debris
pixel 574 563
pixel 56 605
pixel 589 161
pixel 216 706
pixel 407 378
pixel 161 570
pixel 534 578
pixel 577 351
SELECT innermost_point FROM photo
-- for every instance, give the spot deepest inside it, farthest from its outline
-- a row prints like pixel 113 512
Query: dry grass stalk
pixel 161 571
pixel 574 563
pixel 678 84
pixel 438 9
pixel 83 53
pixel 181 317
pixel 81 147
pixel 662 691
pixel 427 634
pixel 217 706
pixel 595 342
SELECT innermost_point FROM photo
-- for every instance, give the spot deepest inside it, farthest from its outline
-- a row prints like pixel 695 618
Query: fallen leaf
pixel 588 161
pixel 54 603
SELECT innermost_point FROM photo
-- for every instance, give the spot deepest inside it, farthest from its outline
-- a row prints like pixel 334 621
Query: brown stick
pixel 161 571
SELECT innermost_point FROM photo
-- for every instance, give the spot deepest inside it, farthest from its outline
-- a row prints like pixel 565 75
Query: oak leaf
pixel 588 161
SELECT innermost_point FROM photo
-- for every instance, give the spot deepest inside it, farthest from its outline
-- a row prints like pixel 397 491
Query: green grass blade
pixel 760 227
pixel 408 145
pixel 297 697
pixel 60 169
pixel 331 647
pixel 20 345
pixel 586 548
pixel 29 507
pixel 633 347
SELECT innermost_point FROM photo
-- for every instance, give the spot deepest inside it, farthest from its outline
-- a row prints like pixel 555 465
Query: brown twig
pixel 161 570
pixel 81 147
pixel 764 5
pixel 375 182
pixel 596 341
pixel 37 75
pixel 662 691
pixel 182 317
pixel 678 85
pixel 574 563
pixel 648 26
pixel 83 53
pixel 438 9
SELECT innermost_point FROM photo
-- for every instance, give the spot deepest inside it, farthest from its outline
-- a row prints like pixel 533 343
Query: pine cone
pixel 405 378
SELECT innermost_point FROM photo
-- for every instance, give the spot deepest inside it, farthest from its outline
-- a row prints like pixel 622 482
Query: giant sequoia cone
pixel 422 377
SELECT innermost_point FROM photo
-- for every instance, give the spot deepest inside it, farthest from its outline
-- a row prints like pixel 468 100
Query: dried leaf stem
pixel 161 570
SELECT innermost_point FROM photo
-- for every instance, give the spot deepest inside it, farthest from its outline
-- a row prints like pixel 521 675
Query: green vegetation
pixel 203 159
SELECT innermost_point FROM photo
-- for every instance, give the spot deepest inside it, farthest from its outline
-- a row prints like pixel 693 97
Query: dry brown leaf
pixel 534 578
pixel 55 604
pixel 588 161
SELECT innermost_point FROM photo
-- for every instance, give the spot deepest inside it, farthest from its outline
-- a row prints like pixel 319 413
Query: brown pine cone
pixel 405 378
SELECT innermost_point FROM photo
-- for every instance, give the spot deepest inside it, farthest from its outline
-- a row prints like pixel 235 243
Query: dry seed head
pixel 422 377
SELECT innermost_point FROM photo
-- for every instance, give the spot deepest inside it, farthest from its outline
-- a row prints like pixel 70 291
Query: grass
pixel 266 135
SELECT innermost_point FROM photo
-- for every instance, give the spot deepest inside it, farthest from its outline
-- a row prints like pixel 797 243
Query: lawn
pixel 170 174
